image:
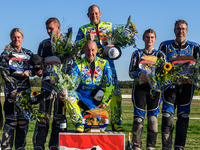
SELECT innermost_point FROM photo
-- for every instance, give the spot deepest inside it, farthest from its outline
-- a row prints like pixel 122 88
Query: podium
pixel 92 141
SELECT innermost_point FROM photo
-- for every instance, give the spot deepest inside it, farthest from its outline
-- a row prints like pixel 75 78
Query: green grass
pixel 193 136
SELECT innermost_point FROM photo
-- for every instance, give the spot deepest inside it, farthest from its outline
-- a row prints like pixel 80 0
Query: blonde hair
pixel 16 30
pixel 149 31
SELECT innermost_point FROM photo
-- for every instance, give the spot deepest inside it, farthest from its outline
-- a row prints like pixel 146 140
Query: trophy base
pixel 93 130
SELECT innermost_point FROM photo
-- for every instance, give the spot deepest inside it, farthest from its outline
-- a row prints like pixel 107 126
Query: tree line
pixel 36 82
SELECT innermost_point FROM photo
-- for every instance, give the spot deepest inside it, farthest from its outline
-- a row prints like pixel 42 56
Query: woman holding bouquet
pixel 16 79
pixel 140 66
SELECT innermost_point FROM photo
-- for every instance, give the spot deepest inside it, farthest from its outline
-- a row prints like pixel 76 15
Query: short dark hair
pixel 180 21
pixel 89 9
pixel 149 31
pixel 52 19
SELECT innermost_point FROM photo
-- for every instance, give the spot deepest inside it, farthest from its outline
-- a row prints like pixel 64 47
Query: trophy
pixel 96 120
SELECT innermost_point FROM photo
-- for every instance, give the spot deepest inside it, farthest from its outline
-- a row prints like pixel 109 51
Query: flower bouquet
pixel 164 74
pixel 26 102
pixel 65 48
pixel 190 68
pixel 63 79
pixel 122 36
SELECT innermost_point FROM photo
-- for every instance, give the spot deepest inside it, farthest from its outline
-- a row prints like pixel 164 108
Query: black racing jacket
pixel 47 52
pixel 12 66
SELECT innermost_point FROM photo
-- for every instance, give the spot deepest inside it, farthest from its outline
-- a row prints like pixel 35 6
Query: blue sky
pixel 159 15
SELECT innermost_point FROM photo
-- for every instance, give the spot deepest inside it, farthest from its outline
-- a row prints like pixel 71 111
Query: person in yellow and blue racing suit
pixel 94 31
pixel 93 72
pixel 141 96
pixel 179 95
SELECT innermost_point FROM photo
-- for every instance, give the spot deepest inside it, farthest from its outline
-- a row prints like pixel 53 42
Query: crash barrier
pixel 128 96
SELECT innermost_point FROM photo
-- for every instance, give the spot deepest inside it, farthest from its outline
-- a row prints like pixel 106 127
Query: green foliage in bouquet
pixel 167 72
pixel 64 47
pixel 63 78
pixel 193 73
pixel 121 36
pixel 27 101
pixel 164 73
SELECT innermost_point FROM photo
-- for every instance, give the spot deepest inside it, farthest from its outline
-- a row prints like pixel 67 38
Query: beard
pixel 180 39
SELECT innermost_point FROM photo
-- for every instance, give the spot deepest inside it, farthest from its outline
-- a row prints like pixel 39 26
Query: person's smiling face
pixel 53 27
pixel 149 39
pixel 90 51
pixel 180 31
pixel 17 39
pixel 94 15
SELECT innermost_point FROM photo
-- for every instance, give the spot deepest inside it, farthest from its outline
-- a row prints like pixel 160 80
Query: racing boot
pixel 167 130
pixel 137 132
pixel 152 132
pixel 181 131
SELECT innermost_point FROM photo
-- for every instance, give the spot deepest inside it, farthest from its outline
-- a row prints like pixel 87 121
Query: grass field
pixel 193 137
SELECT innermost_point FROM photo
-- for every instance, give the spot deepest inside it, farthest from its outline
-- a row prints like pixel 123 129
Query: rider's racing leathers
pixel 178 96
pixel 46 51
pixel 14 63
pixel 89 80
pixel 142 98
pixel 99 31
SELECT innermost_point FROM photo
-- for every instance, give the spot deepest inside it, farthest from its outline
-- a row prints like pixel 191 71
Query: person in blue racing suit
pixel 141 96
pixel 93 72
pixel 180 95
pixel 16 79
pixel 94 31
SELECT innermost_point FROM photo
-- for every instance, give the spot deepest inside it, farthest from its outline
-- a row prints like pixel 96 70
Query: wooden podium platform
pixel 92 141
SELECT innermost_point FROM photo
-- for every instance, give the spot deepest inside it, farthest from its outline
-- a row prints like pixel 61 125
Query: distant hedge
pixel 36 82
pixel 125 84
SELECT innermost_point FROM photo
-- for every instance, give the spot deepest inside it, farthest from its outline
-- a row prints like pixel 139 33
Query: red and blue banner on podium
pixel 91 141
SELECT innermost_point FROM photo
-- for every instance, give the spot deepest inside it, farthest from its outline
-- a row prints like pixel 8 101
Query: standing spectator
pixel 180 95
pixel 141 96
pixel 16 125
pixel 94 31
pixel 47 52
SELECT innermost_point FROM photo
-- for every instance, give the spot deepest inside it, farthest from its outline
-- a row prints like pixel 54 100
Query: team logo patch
pixel 20 63
pixel 101 61
pixel 107 23
pixel 145 65
pixel 186 64
pixel 183 62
